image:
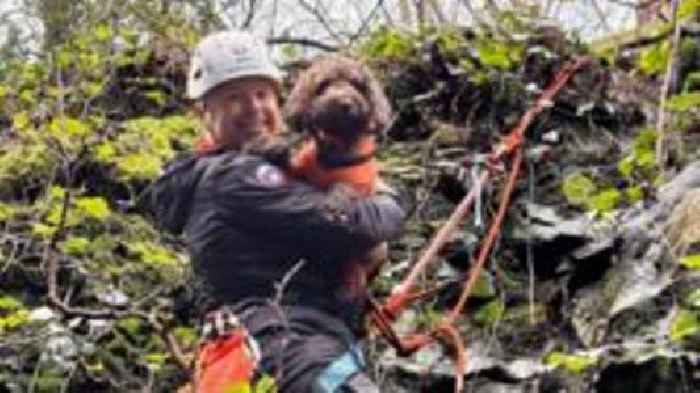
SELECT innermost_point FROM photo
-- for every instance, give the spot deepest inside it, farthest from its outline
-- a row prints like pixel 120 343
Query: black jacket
pixel 247 225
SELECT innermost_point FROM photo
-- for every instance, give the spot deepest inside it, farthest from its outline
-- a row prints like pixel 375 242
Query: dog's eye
pixel 361 87
pixel 322 86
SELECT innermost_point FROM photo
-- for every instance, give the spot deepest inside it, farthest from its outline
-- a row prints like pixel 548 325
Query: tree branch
pixel 662 137
pixel 315 12
pixel 366 21
pixel 251 13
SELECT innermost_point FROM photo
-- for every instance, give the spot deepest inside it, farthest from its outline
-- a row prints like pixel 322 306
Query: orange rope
pixel 382 316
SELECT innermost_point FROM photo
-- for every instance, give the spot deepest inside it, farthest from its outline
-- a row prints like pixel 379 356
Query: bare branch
pixel 251 13
pixel 321 18
pixel 601 15
pixel 662 137
pixel 365 22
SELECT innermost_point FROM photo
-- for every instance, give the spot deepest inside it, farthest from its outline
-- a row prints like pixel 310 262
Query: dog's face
pixel 340 108
pixel 339 96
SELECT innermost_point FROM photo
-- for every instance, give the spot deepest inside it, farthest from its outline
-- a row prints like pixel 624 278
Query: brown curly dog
pixel 341 107
pixel 339 104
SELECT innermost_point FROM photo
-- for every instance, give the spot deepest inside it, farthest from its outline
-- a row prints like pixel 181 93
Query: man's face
pixel 241 110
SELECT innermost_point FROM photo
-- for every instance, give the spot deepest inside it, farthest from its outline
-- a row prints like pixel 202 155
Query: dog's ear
pixel 299 99
pixel 381 109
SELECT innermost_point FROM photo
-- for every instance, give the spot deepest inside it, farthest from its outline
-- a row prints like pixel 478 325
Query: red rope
pixel 445 331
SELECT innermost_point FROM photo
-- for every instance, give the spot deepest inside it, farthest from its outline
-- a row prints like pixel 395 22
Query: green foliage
pixel 693 299
pixel 640 163
pixel 146 144
pixel 66 127
pixel 605 200
pixel 155 360
pixel 187 336
pixel 7 211
pixel 575 364
pixel 265 384
pixel 388 44
pixel 490 313
pixel 483 288
pixel 12 314
pixel 75 245
pixel 683 102
pixel 578 188
pixel 81 212
pixel 93 207
pixel 685 324
pixel 21 160
pixel 154 254
pixel 688 8
pixel 55 106
pixel 498 54
pixel 654 59
pixel 450 41
pixel 8 303
pixel 691 261
pixel 132 325
pixel 634 194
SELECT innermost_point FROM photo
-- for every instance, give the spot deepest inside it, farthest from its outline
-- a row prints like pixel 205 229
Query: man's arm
pixel 258 196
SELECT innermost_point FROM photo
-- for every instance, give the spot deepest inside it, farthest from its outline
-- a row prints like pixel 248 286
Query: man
pixel 266 246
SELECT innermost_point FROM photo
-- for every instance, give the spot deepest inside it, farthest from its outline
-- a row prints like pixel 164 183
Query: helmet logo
pixel 240 50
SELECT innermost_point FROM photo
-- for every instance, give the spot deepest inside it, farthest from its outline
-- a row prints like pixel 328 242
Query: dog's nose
pixel 345 106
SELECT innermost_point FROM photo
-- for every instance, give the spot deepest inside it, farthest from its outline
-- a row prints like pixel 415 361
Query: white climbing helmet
pixel 228 55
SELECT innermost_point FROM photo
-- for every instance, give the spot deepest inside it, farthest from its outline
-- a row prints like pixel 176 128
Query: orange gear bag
pixel 226 363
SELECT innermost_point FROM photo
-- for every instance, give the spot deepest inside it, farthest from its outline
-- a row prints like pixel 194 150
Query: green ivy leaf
pixel 93 89
pixel 653 60
pixel 490 313
pixel 57 193
pixel 266 384
pixel 6 211
pixel 484 288
pixel 186 335
pixel 688 8
pixel 691 261
pixel 95 207
pixel 634 194
pixel 75 245
pixel 683 102
pixel 9 303
pixel 132 325
pixel 155 360
pixel 605 201
pixel 494 54
pixel 685 324
pixel 156 96
pixel 103 32
pixel 105 152
pixel 43 230
pixel 14 320
pixel 578 188
pixel 64 58
pixel 626 166
pixel 28 96
pixel 693 300
pixel 572 363
pixel 66 126
pixel 20 121
pixel 140 166
pixel 154 254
